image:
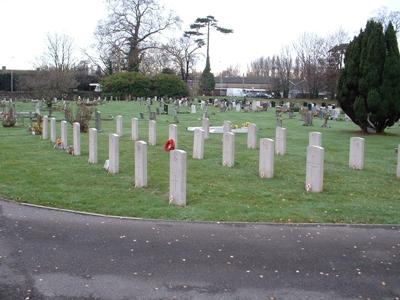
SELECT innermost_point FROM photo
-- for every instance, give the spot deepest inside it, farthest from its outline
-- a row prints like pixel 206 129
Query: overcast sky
pixel 261 27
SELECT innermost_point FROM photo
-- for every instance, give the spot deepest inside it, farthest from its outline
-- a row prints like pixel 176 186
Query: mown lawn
pixel 32 171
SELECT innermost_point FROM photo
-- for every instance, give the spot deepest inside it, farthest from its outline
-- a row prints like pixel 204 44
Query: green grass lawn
pixel 32 171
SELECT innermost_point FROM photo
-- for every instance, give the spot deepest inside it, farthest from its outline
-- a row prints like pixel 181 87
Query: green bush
pixel 127 83
pixel 168 85
pixel 138 85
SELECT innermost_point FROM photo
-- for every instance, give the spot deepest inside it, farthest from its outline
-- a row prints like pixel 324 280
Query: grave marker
pixel 228 151
pixel 177 178
pixel 120 129
pixel 98 120
pixel 227 127
pixel 315 169
pixel 135 129
pixel 152 133
pixel 64 134
pixel 356 156
pixel 280 138
pixel 113 153
pixel 252 136
pixel 267 157
pixel 77 138
pixel 140 164
pixel 206 127
pixel 93 146
pixel 198 144
pixel 173 134
pixel 315 139
pixel 53 131
pixel 193 109
pixel 45 128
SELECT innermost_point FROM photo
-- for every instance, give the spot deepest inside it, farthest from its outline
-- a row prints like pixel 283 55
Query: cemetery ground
pixel 32 171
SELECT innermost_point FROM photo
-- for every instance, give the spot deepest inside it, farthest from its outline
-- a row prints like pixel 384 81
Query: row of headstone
pixel 314 165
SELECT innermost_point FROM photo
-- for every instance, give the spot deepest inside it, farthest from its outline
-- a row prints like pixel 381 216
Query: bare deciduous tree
pixel 384 15
pixel 284 63
pixel 183 54
pixel 231 71
pixel 59 52
pixel 260 67
pixel 312 53
pixel 132 27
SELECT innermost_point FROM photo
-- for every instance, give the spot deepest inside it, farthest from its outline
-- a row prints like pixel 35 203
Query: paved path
pixel 47 254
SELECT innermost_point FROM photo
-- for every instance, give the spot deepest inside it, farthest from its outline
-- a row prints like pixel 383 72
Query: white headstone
pixel 398 162
pixel 64 134
pixel 315 139
pixel 356 157
pixel 135 129
pixel 140 164
pixel 120 129
pixel 45 128
pixel 228 151
pixel 53 130
pixel 152 133
pixel 177 178
pixel 93 146
pixel 206 127
pixel 227 127
pixel 202 104
pixel 238 106
pixel 173 134
pixel 280 140
pixel 193 109
pixel 77 138
pixel 315 169
pixel 252 136
pixel 198 144
pixel 113 153
pixel 267 157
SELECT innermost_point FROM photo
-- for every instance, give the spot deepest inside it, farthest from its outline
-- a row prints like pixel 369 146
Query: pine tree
pixel 369 85
pixel 207 81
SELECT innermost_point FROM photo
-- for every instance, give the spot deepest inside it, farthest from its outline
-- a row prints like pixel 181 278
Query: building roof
pixel 245 80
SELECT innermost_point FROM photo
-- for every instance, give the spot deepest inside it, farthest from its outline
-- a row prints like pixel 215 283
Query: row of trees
pixel 312 61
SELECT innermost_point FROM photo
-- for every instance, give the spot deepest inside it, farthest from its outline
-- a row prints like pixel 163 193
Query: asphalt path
pixel 50 254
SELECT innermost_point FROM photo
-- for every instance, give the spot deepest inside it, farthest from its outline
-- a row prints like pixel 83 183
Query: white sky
pixel 261 27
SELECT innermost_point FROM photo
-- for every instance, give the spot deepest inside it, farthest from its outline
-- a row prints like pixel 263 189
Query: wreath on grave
pixel 169 145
